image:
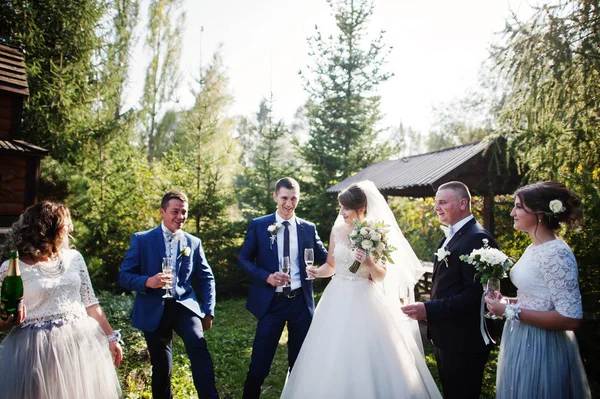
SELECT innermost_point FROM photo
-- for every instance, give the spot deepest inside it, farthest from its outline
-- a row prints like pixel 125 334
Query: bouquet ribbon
pixel 485 334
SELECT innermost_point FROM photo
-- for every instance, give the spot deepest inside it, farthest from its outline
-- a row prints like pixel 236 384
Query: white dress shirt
pixel 294 267
pixel 455 227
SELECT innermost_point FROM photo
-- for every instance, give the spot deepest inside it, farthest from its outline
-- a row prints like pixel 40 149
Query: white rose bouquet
pixel 489 262
pixel 372 237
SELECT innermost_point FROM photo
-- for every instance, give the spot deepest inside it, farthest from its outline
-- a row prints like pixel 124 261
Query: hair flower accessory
pixel 273 229
pixel 556 206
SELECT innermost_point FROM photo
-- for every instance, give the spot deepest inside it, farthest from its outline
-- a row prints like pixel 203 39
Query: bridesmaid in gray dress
pixel 539 355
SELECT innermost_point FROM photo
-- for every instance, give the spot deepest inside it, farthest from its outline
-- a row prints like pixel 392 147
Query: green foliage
pixel 266 156
pixel 59 37
pixel 343 109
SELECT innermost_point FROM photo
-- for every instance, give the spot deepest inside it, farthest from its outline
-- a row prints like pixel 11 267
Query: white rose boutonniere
pixel 442 255
pixel 185 251
pixel 273 229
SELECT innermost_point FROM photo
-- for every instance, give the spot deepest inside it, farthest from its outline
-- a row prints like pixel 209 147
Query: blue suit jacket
pixel 258 259
pixel 143 260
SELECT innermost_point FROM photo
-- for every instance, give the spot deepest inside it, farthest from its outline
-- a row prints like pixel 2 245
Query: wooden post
pixel 488 213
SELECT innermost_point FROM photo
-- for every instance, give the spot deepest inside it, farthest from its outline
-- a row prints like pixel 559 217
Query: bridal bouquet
pixel 372 237
pixel 489 262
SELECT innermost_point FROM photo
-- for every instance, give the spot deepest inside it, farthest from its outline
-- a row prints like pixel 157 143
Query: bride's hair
pixel 353 198
pixel 537 197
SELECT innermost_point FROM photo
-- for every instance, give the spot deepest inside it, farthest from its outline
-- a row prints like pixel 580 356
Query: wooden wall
pixel 13 184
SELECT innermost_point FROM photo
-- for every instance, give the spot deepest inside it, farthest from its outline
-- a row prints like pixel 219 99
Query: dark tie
pixel 286 252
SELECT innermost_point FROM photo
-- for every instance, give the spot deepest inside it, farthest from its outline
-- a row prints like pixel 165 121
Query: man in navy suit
pixel 455 323
pixel 158 317
pixel 276 298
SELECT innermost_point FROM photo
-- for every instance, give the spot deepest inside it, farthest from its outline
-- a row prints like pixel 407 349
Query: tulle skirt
pixel 65 361
pixel 539 363
pixel 359 346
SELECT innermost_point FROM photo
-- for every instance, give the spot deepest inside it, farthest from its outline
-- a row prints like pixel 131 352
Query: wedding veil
pixel 403 274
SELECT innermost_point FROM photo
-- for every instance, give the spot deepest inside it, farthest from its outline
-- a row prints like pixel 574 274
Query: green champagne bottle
pixel 11 295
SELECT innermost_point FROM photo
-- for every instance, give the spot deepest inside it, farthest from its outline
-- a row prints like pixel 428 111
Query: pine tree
pixel 266 156
pixel 343 108
pixel 165 22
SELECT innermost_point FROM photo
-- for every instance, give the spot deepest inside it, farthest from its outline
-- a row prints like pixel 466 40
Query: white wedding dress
pixel 359 345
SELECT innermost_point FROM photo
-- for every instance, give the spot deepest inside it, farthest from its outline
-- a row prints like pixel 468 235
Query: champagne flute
pixel 404 295
pixel 309 259
pixel 285 268
pixel 493 292
pixel 167 269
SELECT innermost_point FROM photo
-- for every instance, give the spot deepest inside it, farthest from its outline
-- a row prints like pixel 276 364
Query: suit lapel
pixel 300 226
pixel 455 238
pixel 461 232
pixel 273 253
pixel 158 241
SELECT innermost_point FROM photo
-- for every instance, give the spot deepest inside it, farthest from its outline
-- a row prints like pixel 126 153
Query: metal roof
pixel 13 77
pixel 420 175
pixel 22 147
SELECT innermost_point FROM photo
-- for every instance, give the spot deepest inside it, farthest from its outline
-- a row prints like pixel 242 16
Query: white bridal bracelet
pixel 512 311
pixel 115 336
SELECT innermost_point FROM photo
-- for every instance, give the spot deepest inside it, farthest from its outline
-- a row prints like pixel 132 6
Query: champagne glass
pixel 167 268
pixel 404 295
pixel 493 292
pixel 285 268
pixel 309 259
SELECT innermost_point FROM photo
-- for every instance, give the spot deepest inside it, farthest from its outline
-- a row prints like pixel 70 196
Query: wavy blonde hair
pixel 41 231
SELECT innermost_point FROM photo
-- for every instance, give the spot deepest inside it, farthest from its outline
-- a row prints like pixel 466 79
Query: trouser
pixel 268 331
pixel 461 373
pixel 188 326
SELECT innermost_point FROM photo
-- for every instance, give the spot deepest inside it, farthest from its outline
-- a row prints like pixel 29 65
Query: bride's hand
pixel 360 255
pixel 311 271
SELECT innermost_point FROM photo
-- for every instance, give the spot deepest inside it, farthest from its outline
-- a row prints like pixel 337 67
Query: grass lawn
pixel 230 344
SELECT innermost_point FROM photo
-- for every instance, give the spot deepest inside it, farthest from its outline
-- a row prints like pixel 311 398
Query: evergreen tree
pixel 266 156
pixel 59 37
pixel 343 108
pixel 165 22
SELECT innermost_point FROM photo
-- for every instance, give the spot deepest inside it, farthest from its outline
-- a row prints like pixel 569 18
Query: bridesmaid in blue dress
pixel 539 355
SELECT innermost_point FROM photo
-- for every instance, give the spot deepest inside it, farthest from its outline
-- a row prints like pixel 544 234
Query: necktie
pixel 170 237
pixel 286 252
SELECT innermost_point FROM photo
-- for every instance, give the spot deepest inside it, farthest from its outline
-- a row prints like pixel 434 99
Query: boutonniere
pixel 273 229
pixel 442 255
pixel 185 251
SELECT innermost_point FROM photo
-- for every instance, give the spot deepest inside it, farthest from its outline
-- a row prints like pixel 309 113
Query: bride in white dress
pixel 359 344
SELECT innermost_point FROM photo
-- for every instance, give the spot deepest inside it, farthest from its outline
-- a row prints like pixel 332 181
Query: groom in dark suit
pixel 456 326
pixel 268 240
pixel 186 314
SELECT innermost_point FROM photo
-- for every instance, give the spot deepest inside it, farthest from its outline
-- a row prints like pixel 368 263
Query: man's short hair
pixel 287 182
pixel 459 188
pixel 173 194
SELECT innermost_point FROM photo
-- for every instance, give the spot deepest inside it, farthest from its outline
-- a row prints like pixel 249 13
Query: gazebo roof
pixel 21 147
pixel 419 176
pixel 12 71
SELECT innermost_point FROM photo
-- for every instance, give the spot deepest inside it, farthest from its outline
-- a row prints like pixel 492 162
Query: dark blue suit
pixel 454 314
pixel 158 317
pixel 258 259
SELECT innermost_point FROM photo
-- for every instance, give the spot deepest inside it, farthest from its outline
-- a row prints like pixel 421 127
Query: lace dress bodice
pixel 344 257
pixel 56 299
pixel 546 279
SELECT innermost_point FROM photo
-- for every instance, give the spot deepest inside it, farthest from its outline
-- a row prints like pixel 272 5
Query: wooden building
pixel 19 160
